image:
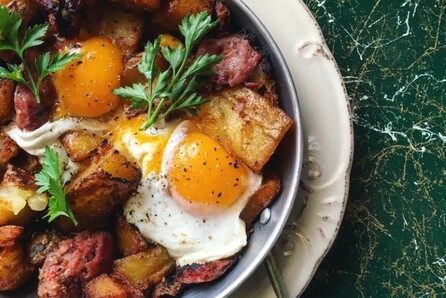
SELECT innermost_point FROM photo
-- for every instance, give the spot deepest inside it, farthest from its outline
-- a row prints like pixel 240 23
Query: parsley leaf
pixel 49 180
pixel 177 84
pixel 46 64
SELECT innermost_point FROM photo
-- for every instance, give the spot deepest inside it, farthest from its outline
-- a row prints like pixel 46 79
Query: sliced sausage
pixel 199 273
pixel 239 58
pixel 192 274
pixel 76 261
pixel 30 114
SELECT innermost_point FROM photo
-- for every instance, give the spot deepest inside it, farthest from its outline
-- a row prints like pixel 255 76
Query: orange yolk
pixel 202 172
pixel 85 86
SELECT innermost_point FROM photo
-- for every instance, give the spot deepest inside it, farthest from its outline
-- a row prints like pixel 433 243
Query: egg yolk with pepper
pixel 85 86
pixel 203 172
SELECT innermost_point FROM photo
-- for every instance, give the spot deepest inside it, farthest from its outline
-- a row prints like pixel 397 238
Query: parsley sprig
pixel 177 84
pixel 45 64
pixel 49 180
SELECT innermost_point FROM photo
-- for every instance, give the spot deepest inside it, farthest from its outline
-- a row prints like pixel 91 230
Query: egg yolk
pixel 202 172
pixel 85 86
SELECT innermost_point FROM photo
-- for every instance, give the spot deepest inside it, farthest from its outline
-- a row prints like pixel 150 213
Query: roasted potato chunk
pixel 172 12
pixel 14 269
pixel 261 198
pixel 146 269
pixel 7 88
pixel 80 144
pixel 95 193
pixel 130 241
pixel 125 29
pixel 245 123
pixel 17 195
pixel 111 286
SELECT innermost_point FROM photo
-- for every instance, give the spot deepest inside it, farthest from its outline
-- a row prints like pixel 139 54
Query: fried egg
pixel 191 194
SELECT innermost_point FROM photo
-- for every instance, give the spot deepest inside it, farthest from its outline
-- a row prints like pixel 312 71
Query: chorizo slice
pixel 239 58
pixel 76 261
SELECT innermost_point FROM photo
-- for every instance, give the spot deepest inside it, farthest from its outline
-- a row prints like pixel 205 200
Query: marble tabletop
pixel 392 55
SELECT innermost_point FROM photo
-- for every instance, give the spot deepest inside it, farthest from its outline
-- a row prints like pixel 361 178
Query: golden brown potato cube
pixel 125 29
pixel 94 195
pixel 14 269
pixel 261 198
pixel 172 12
pixel 17 195
pixel 130 241
pixel 245 123
pixel 103 286
pixel 111 286
pixel 7 88
pixel 146 269
pixel 80 144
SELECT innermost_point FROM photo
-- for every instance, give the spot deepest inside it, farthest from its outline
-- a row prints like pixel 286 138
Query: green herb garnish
pixel 177 84
pixel 49 180
pixel 45 64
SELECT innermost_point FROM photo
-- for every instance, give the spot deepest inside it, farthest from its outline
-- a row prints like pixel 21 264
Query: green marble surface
pixel 392 55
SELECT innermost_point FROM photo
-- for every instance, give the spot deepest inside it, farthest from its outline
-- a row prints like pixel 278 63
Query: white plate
pixel 328 134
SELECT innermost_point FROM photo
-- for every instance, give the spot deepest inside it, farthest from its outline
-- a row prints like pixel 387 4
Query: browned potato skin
pixel 95 193
pixel 8 148
pixel 80 144
pixel 16 177
pixel 125 29
pixel 111 286
pixel 7 88
pixel 261 198
pixel 172 12
pixel 20 178
pixel 104 286
pixel 245 123
pixel 14 269
pixel 146 269
pixel 129 240
pixel 41 244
